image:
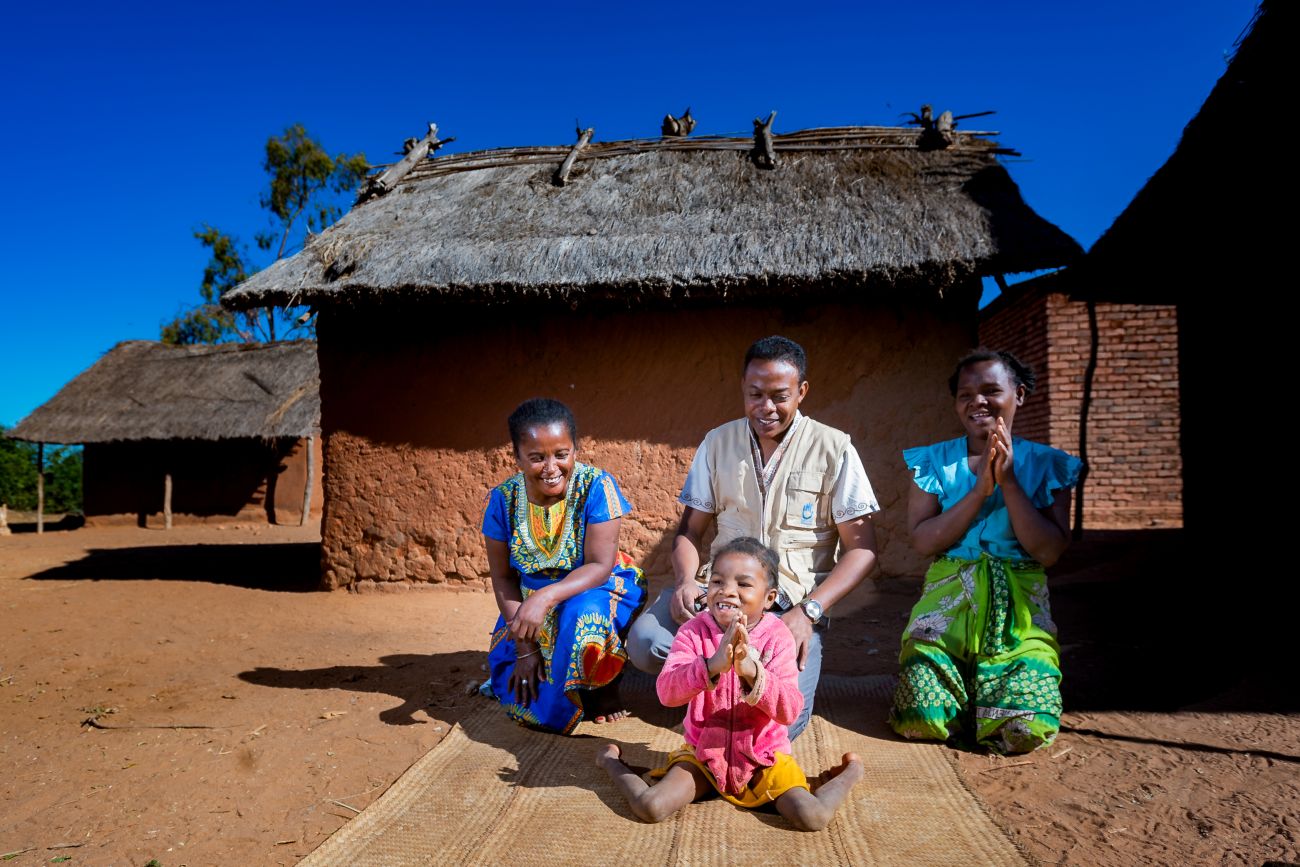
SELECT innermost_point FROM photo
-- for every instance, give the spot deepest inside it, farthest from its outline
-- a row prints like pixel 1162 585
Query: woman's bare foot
pixel 602 705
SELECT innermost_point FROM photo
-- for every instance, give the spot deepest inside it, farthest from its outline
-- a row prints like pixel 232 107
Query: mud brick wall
pixel 1133 429
pixel 414 406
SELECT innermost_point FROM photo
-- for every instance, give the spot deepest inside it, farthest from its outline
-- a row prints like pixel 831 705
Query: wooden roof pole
pixel 764 152
pixel 561 176
pixel 415 151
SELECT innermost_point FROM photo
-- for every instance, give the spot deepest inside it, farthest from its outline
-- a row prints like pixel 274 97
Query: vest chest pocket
pixel 807 501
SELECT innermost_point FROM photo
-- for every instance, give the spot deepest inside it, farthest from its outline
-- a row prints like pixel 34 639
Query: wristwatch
pixel 812 609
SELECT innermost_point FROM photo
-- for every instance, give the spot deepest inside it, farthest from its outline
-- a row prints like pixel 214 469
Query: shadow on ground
pixel 52 525
pixel 285 567
pixel 1148 623
pixel 430 682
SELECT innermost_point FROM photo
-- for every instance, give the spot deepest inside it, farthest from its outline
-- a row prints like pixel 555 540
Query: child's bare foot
pixel 850 762
pixel 612 716
pixel 609 755
pixel 813 811
pixel 850 768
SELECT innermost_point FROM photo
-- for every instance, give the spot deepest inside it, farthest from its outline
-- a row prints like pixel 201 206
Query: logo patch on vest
pixel 808 513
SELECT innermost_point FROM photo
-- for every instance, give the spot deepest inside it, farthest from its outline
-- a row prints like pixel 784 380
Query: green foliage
pixel 18 476
pixel 17 473
pixel 305 193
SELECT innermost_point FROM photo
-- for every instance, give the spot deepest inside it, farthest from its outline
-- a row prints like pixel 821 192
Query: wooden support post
pixel 40 487
pixel 764 152
pixel 167 501
pixel 311 479
pixel 561 176
pixel 415 152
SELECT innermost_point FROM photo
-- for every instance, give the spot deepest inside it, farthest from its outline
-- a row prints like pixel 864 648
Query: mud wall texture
pixel 414 408
pixel 221 480
pixel 1134 421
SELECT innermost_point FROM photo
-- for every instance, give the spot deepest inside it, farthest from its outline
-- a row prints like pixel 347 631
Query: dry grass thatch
pixel 142 390
pixel 638 219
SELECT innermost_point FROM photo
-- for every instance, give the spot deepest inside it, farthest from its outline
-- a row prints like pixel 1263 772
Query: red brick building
pixel 1133 429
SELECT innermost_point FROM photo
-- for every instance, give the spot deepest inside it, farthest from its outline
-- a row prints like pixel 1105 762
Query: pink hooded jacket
pixel 733 732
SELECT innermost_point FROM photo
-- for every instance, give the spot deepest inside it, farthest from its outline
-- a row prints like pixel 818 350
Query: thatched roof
pixel 142 390
pixel 1209 213
pixel 677 218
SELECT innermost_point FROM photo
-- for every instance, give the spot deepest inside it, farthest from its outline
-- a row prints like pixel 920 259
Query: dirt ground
pixel 186 696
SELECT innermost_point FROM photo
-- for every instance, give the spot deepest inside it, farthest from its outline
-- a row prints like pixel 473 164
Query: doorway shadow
pixel 292 567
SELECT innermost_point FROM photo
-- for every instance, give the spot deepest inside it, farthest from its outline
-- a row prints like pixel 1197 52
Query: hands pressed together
pixel 733 653
pixel 999 463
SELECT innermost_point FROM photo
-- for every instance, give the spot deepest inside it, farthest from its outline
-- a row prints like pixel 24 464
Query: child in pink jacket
pixel 733 666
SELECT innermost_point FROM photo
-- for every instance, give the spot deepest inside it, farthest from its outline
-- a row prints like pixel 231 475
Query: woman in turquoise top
pixel 979 654
pixel 566 593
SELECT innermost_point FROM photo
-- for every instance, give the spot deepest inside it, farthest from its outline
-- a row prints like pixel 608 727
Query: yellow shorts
pixel 764 787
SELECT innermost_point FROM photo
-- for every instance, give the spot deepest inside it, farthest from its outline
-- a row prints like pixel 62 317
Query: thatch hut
pixel 627 278
pixel 196 432
pixel 1203 235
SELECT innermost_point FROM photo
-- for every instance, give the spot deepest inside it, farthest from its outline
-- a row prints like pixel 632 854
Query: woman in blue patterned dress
pixel 566 593
pixel 979 655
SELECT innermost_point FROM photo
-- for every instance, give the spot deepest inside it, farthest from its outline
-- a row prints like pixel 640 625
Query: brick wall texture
pixel 1135 463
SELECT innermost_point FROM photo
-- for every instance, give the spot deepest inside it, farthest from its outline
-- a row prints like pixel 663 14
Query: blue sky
pixel 129 125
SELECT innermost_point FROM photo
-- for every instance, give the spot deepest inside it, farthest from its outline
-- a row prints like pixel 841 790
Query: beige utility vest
pixel 795 518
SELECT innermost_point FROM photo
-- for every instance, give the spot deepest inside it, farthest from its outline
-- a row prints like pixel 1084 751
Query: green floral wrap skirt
pixel 979 656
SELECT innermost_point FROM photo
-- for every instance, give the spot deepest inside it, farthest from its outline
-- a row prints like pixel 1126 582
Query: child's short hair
pixel 765 556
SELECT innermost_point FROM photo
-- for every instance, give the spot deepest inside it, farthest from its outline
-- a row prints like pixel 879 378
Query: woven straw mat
pixel 493 793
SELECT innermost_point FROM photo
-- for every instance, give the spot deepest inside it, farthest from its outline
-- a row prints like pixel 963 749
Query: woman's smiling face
pixel 986 392
pixel 546 456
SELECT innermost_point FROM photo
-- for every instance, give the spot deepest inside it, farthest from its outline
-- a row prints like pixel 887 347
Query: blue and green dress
pixel 581 639
pixel 979 653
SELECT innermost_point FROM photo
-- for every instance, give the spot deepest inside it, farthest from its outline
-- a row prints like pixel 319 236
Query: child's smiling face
pixel 738 587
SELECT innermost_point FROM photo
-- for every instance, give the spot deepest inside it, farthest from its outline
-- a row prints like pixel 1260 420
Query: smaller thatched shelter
pixel 200 432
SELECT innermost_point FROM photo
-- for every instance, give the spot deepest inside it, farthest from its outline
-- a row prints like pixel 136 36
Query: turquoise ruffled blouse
pixel 942 469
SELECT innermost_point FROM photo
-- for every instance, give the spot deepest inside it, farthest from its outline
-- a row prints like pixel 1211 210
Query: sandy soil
pixel 239 717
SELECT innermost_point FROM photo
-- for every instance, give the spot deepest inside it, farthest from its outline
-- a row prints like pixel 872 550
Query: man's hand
pixel 801 628
pixel 682 604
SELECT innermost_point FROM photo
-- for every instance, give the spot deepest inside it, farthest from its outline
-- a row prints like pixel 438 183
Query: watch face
pixel 813 609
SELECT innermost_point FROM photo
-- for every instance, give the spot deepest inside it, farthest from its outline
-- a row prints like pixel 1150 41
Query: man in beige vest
pixel 793 483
